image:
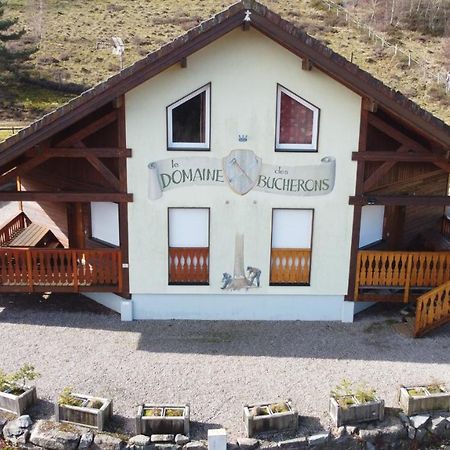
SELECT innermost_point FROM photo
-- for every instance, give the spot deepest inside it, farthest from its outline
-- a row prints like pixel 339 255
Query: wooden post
pixel 408 278
pixel 29 270
pixel 75 270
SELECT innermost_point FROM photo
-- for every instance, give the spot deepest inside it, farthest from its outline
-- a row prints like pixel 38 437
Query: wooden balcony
pixel 13 227
pixel 60 270
pixel 398 276
pixel 189 265
pixel 290 266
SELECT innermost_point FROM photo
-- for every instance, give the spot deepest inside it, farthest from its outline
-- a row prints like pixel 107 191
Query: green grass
pixel 71 30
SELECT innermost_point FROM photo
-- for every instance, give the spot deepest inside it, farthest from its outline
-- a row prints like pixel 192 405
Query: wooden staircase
pixel 432 310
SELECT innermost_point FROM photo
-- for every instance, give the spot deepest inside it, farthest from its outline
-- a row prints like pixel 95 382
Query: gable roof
pixel 264 20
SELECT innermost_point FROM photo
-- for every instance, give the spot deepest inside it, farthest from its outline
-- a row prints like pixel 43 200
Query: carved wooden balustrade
pixel 290 266
pixel 10 230
pixel 189 265
pixel 60 270
pixel 401 270
pixel 432 310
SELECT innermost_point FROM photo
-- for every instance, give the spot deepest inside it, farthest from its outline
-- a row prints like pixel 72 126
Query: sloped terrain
pixel 74 46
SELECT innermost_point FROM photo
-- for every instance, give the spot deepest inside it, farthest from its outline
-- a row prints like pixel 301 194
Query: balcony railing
pixel 290 266
pixel 10 230
pixel 189 265
pixel 60 270
pixel 400 270
pixel 432 310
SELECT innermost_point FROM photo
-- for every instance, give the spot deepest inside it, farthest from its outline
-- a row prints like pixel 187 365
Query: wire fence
pixel 423 66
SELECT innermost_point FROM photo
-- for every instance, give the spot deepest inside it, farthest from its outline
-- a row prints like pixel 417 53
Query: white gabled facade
pixel 243 70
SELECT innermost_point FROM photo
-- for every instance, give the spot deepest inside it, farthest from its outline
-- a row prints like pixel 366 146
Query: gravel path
pixel 215 366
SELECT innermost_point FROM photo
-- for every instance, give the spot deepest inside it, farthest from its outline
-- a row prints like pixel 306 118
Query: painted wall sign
pixel 242 171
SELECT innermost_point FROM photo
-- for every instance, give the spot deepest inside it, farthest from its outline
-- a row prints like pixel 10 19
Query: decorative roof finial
pixel 247 16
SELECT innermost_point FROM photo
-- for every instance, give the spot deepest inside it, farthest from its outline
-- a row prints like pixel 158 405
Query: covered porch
pixel 63 226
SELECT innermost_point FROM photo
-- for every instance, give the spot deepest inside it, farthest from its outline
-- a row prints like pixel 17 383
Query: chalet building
pixel 242 171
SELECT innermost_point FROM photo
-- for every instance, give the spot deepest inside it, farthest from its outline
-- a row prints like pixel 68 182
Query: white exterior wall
pixel 243 69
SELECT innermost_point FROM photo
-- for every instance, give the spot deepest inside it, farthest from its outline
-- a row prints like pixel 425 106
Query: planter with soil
pixel 419 399
pixel 350 405
pixel 162 419
pixel 15 395
pixel 84 410
pixel 266 417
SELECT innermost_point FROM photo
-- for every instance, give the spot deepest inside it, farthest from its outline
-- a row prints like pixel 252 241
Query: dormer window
pixel 188 121
pixel 297 123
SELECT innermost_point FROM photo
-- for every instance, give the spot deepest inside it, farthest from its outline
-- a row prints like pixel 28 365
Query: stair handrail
pixel 432 309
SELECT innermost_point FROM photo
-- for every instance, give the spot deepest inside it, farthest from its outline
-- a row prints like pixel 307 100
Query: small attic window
pixel 297 122
pixel 188 121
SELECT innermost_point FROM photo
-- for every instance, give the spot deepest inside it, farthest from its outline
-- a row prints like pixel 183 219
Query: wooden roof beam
pixel 70 152
pixel 397 156
pixel 395 134
pixel 306 64
pixel 85 197
pixel 406 200
pixel 104 171
pixel 369 104
pixel 88 130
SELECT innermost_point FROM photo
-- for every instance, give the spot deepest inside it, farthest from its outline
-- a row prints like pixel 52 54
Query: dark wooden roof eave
pixel 265 21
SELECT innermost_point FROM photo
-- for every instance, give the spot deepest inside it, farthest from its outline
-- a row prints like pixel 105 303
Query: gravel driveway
pixel 215 366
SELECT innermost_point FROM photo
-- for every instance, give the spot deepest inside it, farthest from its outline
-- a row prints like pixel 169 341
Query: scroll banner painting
pixel 242 171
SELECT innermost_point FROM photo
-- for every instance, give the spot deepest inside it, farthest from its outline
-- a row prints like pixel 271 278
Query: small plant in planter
pixel 352 404
pixel 15 393
pixel 163 419
pixel 83 409
pixel 269 417
pixel 424 398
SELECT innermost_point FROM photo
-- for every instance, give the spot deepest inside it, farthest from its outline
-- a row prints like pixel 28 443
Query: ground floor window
pixel 188 246
pixel 290 259
pixel 105 222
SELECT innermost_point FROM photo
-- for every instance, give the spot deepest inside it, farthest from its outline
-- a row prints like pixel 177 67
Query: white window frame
pixel 191 145
pixel 315 134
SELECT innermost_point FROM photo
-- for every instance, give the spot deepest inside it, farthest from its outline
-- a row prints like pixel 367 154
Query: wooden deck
pixel 398 276
pixel 60 270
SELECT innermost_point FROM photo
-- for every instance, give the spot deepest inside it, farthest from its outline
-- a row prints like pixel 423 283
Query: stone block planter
pixel 93 412
pixel 20 402
pixel 162 419
pixel 418 399
pixel 269 417
pixel 349 410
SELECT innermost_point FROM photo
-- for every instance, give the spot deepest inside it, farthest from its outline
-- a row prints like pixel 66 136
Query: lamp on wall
pixel 371 201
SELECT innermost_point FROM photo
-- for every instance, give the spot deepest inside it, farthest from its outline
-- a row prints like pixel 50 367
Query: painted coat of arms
pixel 242 169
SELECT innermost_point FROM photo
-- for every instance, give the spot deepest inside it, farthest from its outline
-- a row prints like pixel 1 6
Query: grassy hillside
pixel 71 33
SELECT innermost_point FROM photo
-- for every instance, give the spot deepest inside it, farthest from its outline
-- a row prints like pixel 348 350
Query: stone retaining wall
pixel 397 431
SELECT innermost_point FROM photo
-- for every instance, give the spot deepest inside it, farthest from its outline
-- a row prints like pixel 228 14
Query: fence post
pixel 408 278
pixel 29 270
pixel 75 271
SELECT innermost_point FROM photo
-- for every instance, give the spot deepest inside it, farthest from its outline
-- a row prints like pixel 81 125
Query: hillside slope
pixel 74 36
